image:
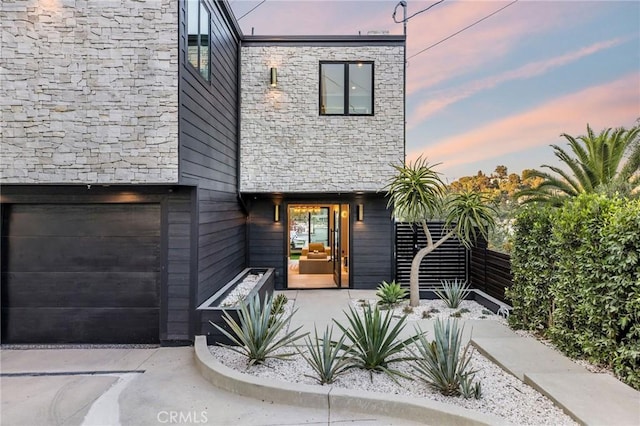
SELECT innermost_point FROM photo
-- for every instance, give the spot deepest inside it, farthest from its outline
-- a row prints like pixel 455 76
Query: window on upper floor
pixel 198 32
pixel 346 88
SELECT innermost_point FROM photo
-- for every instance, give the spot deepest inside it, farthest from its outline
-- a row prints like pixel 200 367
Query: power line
pixel 464 29
pixel 255 7
pixel 417 13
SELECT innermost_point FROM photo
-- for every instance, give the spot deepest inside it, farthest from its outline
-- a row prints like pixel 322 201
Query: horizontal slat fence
pixel 490 271
pixel 449 261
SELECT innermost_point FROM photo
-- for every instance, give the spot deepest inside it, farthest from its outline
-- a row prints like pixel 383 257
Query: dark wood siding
pixel 208 114
pixel 372 244
pixel 447 262
pixel 179 211
pixel 371 240
pixel 208 129
pixel 267 248
pixel 81 273
pixel 102 211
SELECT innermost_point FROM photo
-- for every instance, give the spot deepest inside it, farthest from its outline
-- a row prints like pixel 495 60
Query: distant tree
pixel 501 171
pixel 417 194
pixel 597 160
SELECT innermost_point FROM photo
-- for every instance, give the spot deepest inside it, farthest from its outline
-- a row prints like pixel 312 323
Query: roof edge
pixel 329 39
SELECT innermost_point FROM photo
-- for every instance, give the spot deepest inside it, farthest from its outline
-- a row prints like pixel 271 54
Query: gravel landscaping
pixel 432 309
pixel 502 394
pixel 240 291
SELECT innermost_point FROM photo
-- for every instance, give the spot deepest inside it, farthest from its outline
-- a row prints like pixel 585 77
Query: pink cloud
pixel 482 44
pixel 609 105
pixel 448 97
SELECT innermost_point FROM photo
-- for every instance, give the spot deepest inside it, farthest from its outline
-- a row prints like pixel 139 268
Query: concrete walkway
pixel 95 387
pixel 589 398
pixel 163 385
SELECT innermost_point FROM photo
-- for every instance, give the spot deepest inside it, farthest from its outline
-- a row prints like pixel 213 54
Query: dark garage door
pixel 80 273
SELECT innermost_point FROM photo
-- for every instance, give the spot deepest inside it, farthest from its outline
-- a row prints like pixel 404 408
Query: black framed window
pixel 346 88
pixel 198 35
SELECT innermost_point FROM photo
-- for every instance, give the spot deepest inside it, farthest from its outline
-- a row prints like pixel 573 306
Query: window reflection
pixel 198 30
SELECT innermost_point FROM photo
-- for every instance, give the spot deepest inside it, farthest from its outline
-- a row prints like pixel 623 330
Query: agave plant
pixel 256 335
pixel 453 292
pixel 374 339
pixel 443 365
pixel 390 294
pixel 327 358
pixel 279 302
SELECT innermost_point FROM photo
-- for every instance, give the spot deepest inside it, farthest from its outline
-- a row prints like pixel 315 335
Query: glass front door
pixel 318 246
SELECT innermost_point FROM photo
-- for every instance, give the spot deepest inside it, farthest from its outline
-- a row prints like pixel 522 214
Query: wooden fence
pixel 487 270
pixel 449 261
pixel 490 271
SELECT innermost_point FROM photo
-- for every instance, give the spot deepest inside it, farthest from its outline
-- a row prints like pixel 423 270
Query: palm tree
pixel 417 194
pixel 597 161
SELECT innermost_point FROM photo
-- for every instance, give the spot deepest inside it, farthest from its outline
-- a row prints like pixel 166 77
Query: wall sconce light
pixel 360 212
pixel 276 213
pixel 273 80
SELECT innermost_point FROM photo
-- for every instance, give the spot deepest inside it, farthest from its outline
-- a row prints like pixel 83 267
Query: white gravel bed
pixel 503 395
pixel 468 310
pixel 241 291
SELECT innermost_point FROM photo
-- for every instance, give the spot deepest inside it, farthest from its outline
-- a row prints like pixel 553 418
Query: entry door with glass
pixel 318 249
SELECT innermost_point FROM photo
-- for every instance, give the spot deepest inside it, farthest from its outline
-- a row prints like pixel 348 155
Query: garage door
pixel 81 273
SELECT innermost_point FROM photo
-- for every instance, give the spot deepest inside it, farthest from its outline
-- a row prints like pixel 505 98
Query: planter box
pixel 210 309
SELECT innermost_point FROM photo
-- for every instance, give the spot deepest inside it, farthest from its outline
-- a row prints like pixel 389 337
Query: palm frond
pixel 469 215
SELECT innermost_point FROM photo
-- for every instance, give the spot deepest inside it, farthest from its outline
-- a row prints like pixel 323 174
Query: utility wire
pixel 464 29
pixel 417 13
pixel 255 7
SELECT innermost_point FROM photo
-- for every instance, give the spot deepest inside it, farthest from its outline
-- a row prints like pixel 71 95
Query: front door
pixel 336 250
pixel 318 245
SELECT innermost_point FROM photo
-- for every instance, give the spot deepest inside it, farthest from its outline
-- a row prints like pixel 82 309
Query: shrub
pixel 255 334
pixel 443 365
pixel 577 279
pixel 375 340
pixel 327 358
pixel 390 294
pixel 453 292
pixel 533 269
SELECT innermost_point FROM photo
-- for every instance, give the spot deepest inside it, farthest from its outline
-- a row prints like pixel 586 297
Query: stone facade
pixel 287 146
pixel 89 91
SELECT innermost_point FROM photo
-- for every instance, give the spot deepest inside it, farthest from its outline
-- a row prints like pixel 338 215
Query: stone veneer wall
pixel 89 91
pixel 286 146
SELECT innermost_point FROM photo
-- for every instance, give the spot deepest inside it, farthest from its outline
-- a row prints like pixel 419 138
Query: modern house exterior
pixel 151 151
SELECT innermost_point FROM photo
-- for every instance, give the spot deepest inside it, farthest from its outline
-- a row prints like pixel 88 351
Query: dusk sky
pixel 501 91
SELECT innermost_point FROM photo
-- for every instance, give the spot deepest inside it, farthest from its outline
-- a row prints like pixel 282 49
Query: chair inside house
pixel 315 259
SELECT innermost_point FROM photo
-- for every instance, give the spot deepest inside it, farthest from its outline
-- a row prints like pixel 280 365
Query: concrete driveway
pixel 134 387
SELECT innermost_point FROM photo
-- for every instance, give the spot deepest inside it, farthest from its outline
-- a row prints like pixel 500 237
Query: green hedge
pixel 577 279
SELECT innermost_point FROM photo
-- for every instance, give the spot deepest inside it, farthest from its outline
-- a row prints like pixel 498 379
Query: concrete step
pixel 591 399
pixel 520 355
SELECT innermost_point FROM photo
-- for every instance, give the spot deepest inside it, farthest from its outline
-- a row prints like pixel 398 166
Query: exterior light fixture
pixel 360 212
pixel 276 213
pixel 273 80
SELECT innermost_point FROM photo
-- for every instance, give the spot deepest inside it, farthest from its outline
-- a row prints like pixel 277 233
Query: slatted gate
pixel 449 261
